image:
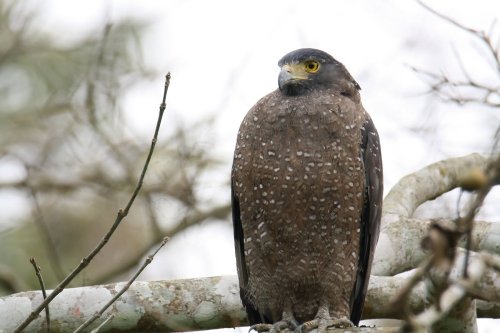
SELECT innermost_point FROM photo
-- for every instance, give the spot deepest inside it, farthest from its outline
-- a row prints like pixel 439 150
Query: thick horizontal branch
pixel 399 247
pixel 169 306
pixel 392 256
pixel 187 305
pixel 181 305
pixel 429 183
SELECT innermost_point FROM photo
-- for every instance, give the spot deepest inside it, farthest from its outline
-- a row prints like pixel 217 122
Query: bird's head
pixel 304 70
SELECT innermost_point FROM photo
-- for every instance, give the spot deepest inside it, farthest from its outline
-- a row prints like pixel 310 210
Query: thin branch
pixel 54 260
pixel 218 212
pixel 42 287
pixel 153 220
pixel 491 93
pixel 122 213
pixel 89 100
pixel 448 19
pixel 400 302
pixel 446 293
pixel 98 328
pixel 448 298
pixel 466 223
pixel 124 289
pixel 478 33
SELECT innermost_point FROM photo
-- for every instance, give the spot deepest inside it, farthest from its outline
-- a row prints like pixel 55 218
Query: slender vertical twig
pixel 124 289
pixel 54 260
pixel 38 273
pixel 119 217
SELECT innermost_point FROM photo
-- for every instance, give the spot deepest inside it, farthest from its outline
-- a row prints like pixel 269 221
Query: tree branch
pixel 195 304
pixel 42 286
pixel 122 213
pixel 485 37
pixel 450 90
pixel 220 212
pixel 99 313
pixel 411 191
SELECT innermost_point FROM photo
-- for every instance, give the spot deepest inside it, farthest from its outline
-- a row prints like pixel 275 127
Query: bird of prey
pixel 306 198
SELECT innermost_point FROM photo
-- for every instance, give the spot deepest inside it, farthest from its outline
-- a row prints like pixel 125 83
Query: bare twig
pixel 456 291
pixel 153 220
pixel 42 287
pixel 95 330
pixel 442 82
pixel 478 33
pixel 54 260
pixel 399 303
pixel 122 213
pixel 218 212
pixel 89 100
pixel 466 223
pixel 450 90
pixel 124 289
pixel 449 293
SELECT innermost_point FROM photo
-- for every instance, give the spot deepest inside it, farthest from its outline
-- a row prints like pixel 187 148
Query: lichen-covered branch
pixel 394 254
pixel 195 304
pixel 429 183
pixel 403 239
pixel 182 305
pixel 451 303
pixel 187 305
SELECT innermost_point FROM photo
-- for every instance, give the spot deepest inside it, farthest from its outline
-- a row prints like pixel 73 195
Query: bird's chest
pixel 307 138
pixel 306 180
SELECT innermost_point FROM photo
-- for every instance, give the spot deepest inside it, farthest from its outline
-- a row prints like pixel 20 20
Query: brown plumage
pixel 306 194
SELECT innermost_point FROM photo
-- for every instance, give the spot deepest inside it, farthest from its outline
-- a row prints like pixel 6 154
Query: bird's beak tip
pixel 285 76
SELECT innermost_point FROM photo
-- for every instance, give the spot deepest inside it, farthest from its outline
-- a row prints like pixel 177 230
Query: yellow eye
pixel 311 66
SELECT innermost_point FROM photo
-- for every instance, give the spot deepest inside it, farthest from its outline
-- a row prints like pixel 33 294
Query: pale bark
pixel 195 304
pixel 399 243
pixel 399 248
pixel 181 305
pixel 451 307
pixel 187 305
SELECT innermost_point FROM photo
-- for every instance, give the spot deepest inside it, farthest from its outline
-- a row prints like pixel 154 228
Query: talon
pixel 283 325
pixel 342 323
pixel 322 324
pixel 277 327
pixel 260 328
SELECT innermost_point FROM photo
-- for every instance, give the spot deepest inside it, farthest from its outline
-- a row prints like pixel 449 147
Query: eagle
pixel 306 187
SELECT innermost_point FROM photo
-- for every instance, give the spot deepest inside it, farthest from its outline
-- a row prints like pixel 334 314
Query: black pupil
pixel 311 65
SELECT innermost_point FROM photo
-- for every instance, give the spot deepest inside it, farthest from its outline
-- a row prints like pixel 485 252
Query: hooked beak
pixel 290 74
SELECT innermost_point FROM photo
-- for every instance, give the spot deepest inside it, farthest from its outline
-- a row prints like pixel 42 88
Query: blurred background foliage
pixel 76 162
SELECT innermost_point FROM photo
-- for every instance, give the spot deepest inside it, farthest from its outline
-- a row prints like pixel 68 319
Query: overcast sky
pixel 223 57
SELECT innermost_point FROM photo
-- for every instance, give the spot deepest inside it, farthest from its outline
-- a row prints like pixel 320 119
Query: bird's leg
pixel 323 320
pixel 287 322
